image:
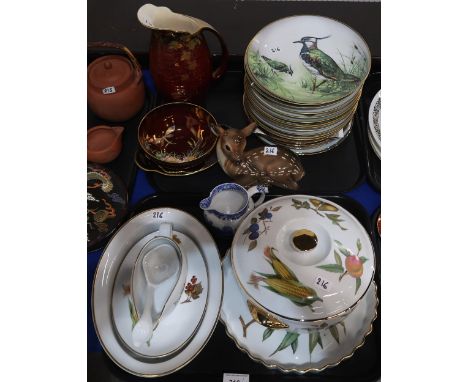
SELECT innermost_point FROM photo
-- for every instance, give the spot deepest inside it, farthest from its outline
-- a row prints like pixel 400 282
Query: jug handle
pixel 114 45
pixel 219 71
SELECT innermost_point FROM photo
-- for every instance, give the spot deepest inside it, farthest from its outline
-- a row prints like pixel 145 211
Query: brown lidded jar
pixel 115 85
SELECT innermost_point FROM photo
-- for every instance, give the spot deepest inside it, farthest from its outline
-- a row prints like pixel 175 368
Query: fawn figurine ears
pixel 219 129
pixel 246 131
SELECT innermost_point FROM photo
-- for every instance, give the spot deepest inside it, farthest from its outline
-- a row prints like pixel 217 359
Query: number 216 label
pixel 270 150
pixel 322 283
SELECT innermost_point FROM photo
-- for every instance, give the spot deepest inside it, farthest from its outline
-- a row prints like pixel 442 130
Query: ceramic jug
pixel 228 204
pixel 179 58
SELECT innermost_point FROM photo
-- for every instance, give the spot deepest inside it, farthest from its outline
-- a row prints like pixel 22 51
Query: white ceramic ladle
pixel 162 267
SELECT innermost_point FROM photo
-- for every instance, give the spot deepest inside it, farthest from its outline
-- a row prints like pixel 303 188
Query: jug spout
pixel 162 18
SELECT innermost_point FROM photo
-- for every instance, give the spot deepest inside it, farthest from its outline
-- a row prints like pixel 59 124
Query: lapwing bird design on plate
pixel 321 64
pixel 307 60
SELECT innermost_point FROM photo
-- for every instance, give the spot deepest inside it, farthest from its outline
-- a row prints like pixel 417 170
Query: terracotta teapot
pixel 179 58
pixel 116 91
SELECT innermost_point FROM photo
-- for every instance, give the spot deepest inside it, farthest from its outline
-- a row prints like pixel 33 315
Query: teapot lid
pixel 111 71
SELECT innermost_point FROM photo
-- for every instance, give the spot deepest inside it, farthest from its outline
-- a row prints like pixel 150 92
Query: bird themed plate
pixel 291 351
pixel 308 60
pixel 107 204
pixel 303 259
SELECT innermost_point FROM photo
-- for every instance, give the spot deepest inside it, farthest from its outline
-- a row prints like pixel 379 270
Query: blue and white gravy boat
pixel 229 203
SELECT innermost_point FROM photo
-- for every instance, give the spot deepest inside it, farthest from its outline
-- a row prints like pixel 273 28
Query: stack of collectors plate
pixel 303 80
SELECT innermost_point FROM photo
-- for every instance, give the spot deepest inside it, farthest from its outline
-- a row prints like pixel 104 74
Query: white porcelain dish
pixel 124 239
pixel 187 314
pixel 312 149
pixel 303 259
pixel 306 352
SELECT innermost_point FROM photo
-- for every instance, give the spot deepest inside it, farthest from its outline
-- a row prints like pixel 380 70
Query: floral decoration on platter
pixel 253 231
pixel 193 290
pixel 284 282
pixel 291 338
pixel 353 265
pixel 318 206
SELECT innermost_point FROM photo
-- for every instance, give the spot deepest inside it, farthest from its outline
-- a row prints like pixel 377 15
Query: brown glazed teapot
pixel 116 91
pixel 179 58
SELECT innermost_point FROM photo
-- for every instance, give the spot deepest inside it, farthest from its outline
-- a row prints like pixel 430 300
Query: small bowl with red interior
pixel 177 135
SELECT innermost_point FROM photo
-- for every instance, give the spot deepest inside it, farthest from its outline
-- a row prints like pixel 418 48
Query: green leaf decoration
pixel 267 275
pixel 343 275
pixel 333 217
pixel 267 333
pixel 339 243
pixel 358 284
pixel 295 201
pixel 332 268
pixel 253 220
pixel 252 245
pixel 344 327
pixel 358 244
pixel 334 332
pixel 306 205
pixel 276 208
pixel 313 340
pixel 288 339
pixel 246 231
pixel 294 345
pixel 133 314
pixel 338 259
pixel 363 259
pixel 344 251
pixel 320 340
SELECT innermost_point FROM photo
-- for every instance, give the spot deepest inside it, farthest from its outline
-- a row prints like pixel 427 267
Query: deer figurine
pixel 254 166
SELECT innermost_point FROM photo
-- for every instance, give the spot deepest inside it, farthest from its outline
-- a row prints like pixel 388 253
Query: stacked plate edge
pixel 374 132
pixel 303 81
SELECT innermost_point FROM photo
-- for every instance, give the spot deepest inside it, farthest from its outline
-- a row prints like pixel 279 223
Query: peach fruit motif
pixel 354 266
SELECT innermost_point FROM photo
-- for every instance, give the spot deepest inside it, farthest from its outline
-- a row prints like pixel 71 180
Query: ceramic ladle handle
pixel 143 329
pixel 219 71
pixel 257 190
